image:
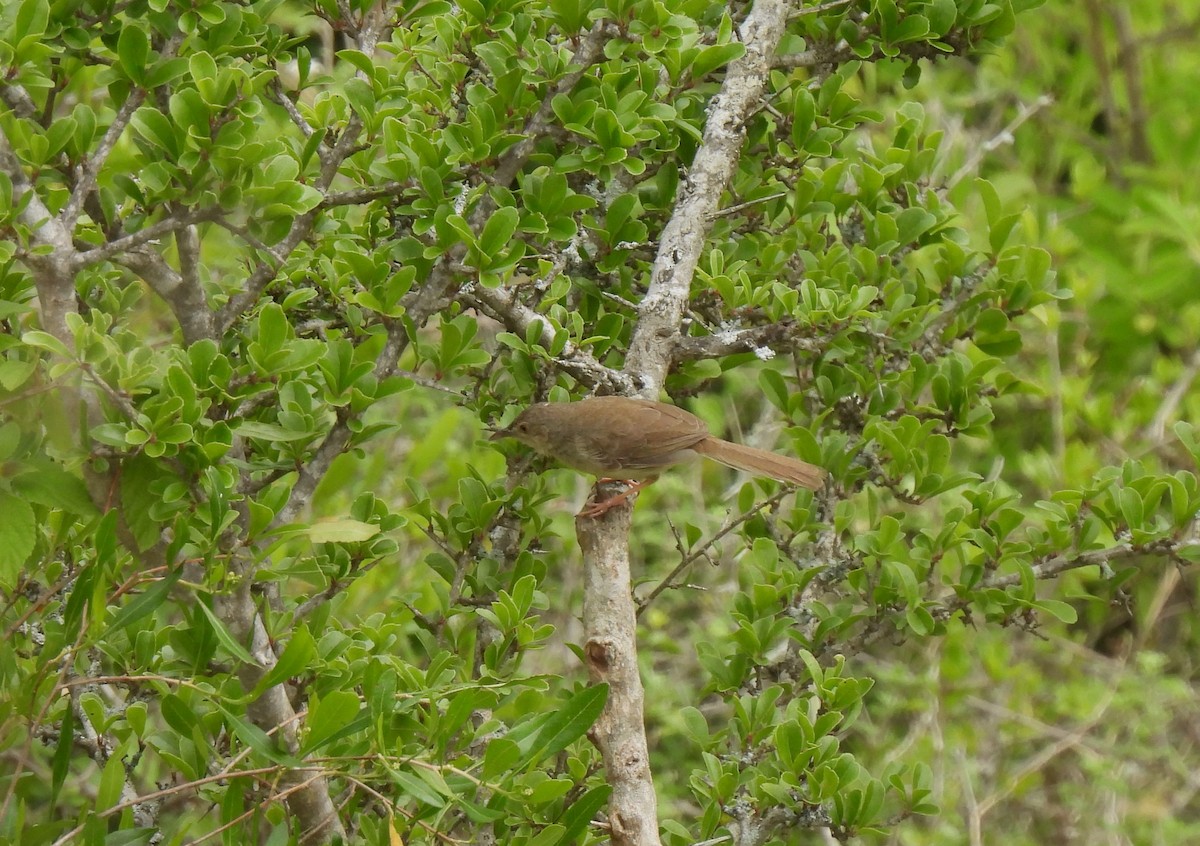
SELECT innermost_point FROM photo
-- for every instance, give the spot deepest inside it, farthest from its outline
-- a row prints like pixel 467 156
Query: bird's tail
pixel 760 462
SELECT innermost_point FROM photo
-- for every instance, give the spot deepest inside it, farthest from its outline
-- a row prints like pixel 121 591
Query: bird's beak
pixel 497 434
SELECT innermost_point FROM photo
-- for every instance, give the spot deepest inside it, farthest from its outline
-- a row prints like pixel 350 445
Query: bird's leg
pixel 596 509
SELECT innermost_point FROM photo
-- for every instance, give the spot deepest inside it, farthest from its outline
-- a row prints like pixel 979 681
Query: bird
pixel 635 440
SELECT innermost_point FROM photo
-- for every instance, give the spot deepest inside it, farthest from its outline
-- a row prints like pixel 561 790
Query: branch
pixel 185 297
pixel 85 176
pixel 364 195
pixel 764 341
pixel 428 298
pixel 18 99
pixel 504 305
pixel 816 10
pixel 682 240
pixel 89 169
pixel 827 56
pixel 1004 136
pixel 1156 429
pixel 54 277
pixel 367 37
pixel 687 559
pixel 265 272
pixel 609 612
pixel 610 650
pixel 311 802
pixel 1051 568
pixel 285 101
pixel 126 243
pixel 589 52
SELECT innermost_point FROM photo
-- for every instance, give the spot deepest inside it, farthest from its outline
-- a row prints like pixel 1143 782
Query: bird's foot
pixel 597 508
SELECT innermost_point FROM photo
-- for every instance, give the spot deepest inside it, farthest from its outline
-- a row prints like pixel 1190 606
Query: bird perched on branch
pixel 627 439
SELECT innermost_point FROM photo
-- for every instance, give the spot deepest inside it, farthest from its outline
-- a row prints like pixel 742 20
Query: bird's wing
pixel 642 435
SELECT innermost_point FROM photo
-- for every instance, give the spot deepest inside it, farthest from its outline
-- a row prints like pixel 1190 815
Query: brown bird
pixel 621 438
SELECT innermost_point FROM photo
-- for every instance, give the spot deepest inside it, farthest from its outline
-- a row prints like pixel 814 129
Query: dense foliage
pixel 268 269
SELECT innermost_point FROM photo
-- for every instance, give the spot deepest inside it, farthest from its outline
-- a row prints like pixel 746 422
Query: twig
pixel 1156 430
pixel 86 175
pixel 130 242
pixel 765 341
pixel 702 551
pixel 364 195
pixel 179 788
pixel 1042 758
pixel 505 305
pixel 818 9
pixel 1004 136
pixel 303 125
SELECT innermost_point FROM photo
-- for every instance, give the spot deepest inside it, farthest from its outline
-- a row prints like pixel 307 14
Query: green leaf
pixel 912 223
pixel 343 530
pixel 941 15
pixel 418 789
pixel 133 50
pixel 295 659
pixel 497 232
pixel 999 231
pixel 53 486
pixel 715 56
pixel 332 713
pixel 695 723
pixel 255 738
pixel 147 602
pixel 155 127
pixel 359 59
pixel 178 714
pixel 1186 433
pixel 61 763
pixel 45 341
pixel 225 637
pixel 501 755
pixel 18 534
pixel 565 725
pixel 1064 612
pixel 581 812
pixel 269 432
pixel 112 781
pixel 138 497
pixel 31 19
pixel 15 372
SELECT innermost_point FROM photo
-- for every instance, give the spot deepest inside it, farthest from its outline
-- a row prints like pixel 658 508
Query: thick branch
pixel 682 240
pixel 610 649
